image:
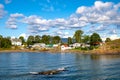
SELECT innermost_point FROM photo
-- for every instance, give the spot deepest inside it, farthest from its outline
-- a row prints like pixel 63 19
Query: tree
pixel 86 39
pixel 46 39
pixel 69 40
pixel 37 39
pixel 95 38
pixel 0 40
pixel 5 43
pixel 1 36
pixel 30 40
pixel 56 39
pixel 107 40
pixel 22 39
pixel 78 36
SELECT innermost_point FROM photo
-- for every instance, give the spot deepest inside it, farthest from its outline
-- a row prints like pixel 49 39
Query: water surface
pixel 17 66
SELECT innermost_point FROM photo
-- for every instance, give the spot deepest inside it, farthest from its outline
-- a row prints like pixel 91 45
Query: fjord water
pixel 17 66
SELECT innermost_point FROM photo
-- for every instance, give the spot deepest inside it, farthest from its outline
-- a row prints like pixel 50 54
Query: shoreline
pixel 96 52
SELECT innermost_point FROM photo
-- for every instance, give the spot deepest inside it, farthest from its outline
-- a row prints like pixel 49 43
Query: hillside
pixel 112 47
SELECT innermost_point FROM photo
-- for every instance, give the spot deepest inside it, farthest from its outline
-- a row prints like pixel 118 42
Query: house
pixel 16 42
pixel 83 45
pixel 97 43
pixel 76 45
pixel 65 47
pixel 39 45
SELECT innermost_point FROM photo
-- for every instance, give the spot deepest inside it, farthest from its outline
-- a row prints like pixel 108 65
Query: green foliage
pixel 70 40
pixel 37 39
pixel 46 39
pixel 107 40
pixel 85 48
pixel 22 39
pixel 30 40
pixel 95 38
pixel 1 36
pixel 93 47
pixel 5 43
pixel 56 39
pixel 78 36
pixel 86 39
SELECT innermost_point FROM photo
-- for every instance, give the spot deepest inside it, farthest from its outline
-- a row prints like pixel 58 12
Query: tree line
pixel 78 37
pixel 47 39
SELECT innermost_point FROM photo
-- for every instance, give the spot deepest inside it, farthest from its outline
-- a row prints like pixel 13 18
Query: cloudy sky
pixel 59 17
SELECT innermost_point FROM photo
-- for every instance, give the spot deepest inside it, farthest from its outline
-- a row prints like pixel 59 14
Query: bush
pixel 85 48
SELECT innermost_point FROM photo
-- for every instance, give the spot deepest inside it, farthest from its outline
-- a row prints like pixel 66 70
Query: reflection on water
pixel 16 66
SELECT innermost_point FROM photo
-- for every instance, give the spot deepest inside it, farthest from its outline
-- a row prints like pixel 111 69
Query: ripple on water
pixel 78 66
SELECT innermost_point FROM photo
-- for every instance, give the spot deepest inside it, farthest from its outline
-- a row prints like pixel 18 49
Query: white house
pixel 76 45
pixel 40 45
pixel 65 47
pixel 16 42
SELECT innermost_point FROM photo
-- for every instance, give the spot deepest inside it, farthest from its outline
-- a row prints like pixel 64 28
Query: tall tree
pixel 30 40
pixel 56 39
pixel 95 38
pixel 70 40
pixel 46 39
pixel 107 40
pixel 1 40
pixel 78 36
pixel 37 39
pixel 1 36
pixel 22 39
pixel 5 43
pixel 86 39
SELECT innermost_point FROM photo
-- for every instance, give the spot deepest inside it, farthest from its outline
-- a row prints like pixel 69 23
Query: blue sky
pixel 59 17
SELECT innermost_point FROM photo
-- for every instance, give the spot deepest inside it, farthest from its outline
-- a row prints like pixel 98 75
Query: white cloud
pixel 100 12
pixel 2 11
pixel 36 24
pixel 81 10
pixel 62 34
pixel 101 5
pixel 113 31
pixel 106 14
pixel 16 15
pixel 13 20
pixel 101 28
pixel 1 6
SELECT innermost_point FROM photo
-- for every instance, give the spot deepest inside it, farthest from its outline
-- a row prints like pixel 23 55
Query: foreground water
pixel 17 66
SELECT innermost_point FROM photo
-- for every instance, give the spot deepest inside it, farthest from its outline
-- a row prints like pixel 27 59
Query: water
pixel 17 66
